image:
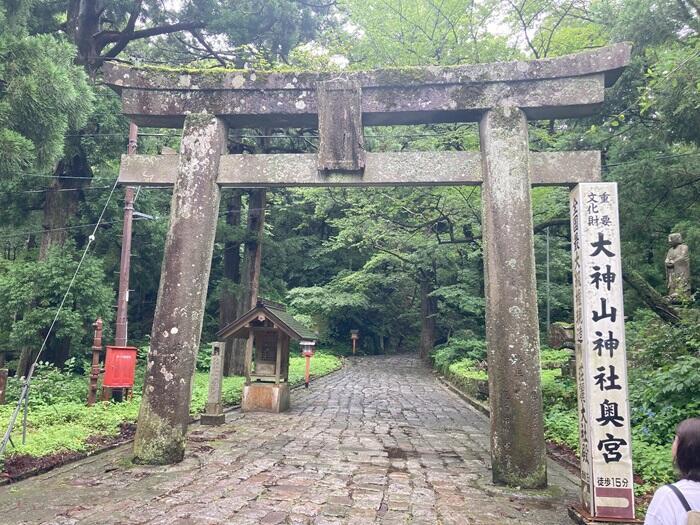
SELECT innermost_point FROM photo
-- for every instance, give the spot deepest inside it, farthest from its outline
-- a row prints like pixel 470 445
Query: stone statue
pixel 677 268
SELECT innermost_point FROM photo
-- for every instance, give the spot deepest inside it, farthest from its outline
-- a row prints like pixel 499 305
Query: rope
pixel 24 394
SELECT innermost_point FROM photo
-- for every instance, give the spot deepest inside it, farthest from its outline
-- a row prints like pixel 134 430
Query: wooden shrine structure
pixel 268 329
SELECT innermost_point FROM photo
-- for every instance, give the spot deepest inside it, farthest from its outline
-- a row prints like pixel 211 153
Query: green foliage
pixel 561 426
pixel 653 344
pixel 458 349
pixel 42 95
pixel 58 419
pixel 557 389
pixel 554 358
pixel 400 33
pixel 661 398
pixel 33 290
pixel 652 462
pixel 464 368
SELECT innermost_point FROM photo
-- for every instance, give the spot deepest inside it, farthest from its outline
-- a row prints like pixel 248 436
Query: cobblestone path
pixel 379 442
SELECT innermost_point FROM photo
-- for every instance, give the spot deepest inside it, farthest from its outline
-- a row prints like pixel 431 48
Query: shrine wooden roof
pixel 274 312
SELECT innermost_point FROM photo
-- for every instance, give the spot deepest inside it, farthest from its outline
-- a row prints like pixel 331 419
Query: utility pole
pixel 121 335
pixel 121 329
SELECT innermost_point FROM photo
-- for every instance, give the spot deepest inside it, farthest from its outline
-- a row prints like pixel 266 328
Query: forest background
pixel 402 265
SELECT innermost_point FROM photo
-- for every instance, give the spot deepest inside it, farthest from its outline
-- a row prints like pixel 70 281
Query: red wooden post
pixel 354 335
pixel 3 384
pixel 95 368
pixel 307 350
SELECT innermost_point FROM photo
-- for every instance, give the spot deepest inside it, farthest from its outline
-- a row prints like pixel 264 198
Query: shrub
pixel 557 390
pixel 561 426
pixel 652 343
pixel 457 349
pixel 554 358
pixel 661 398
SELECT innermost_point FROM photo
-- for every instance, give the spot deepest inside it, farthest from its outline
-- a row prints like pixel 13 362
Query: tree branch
pixel 124 38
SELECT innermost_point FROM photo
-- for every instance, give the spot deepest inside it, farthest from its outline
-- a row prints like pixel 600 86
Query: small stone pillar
pixel 177 323
pixel 3 385
pixel 213 412
pixel 512 330
pixel 95 367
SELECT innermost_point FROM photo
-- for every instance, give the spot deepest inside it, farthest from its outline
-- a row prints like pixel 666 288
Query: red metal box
pixel 120 366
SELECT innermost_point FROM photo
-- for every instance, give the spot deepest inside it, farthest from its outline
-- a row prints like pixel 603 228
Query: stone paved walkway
pixel 379 442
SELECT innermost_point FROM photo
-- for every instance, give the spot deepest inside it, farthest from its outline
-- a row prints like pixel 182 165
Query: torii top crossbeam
pixel 340 104
pixel 568 86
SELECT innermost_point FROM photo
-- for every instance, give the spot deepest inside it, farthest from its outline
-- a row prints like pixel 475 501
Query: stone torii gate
pixel 502 97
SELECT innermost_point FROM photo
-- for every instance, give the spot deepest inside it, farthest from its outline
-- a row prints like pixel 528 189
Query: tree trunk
pixel 82 26
pixel 250 275
pixel 229 297
pixel 653 299
pixel 63 197
pixel 428 311
pixel 26 358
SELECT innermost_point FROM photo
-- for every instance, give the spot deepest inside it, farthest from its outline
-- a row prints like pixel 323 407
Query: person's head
pixel 686 449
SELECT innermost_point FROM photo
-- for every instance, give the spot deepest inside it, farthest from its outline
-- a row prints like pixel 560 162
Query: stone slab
pixel 382 169
pixel 512 329
pixel 401 105
pixel 569 86
pixel 212 419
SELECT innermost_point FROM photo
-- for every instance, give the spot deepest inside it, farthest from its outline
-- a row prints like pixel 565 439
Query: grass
pixel 61 422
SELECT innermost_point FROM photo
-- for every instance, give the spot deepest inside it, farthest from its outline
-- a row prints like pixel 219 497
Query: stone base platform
pixel 212 419
pixel 265 397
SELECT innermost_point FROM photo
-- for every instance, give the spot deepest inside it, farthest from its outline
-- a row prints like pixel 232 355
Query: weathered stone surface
pixel 316 463
pixel 552 88
pixel 561 335
pixel 512 330
pixel 610 60
pixel 677 269
pixel 382 169
pixel 177 323
pixel 213 412
pixel 341 145
pixel 541 99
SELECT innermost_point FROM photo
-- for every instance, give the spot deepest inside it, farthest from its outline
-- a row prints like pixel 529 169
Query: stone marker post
pixel 601 367
pixel 96 350
pixel 177 323
pixel 213 412
pixel 512 331
pixel 3 385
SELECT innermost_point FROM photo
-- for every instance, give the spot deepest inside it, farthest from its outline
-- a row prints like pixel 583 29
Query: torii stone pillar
pixel 177 324
pixel 512 332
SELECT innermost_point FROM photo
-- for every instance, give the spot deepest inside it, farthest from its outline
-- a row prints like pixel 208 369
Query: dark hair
pixel 688 449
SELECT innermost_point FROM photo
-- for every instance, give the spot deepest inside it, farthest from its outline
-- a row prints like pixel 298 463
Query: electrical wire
pixel 87 188
pixel 23 397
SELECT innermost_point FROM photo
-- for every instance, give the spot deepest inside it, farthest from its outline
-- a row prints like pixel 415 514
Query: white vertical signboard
pixel 601 365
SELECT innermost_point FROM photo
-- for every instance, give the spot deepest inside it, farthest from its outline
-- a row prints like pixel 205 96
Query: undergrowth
pixel 58 420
